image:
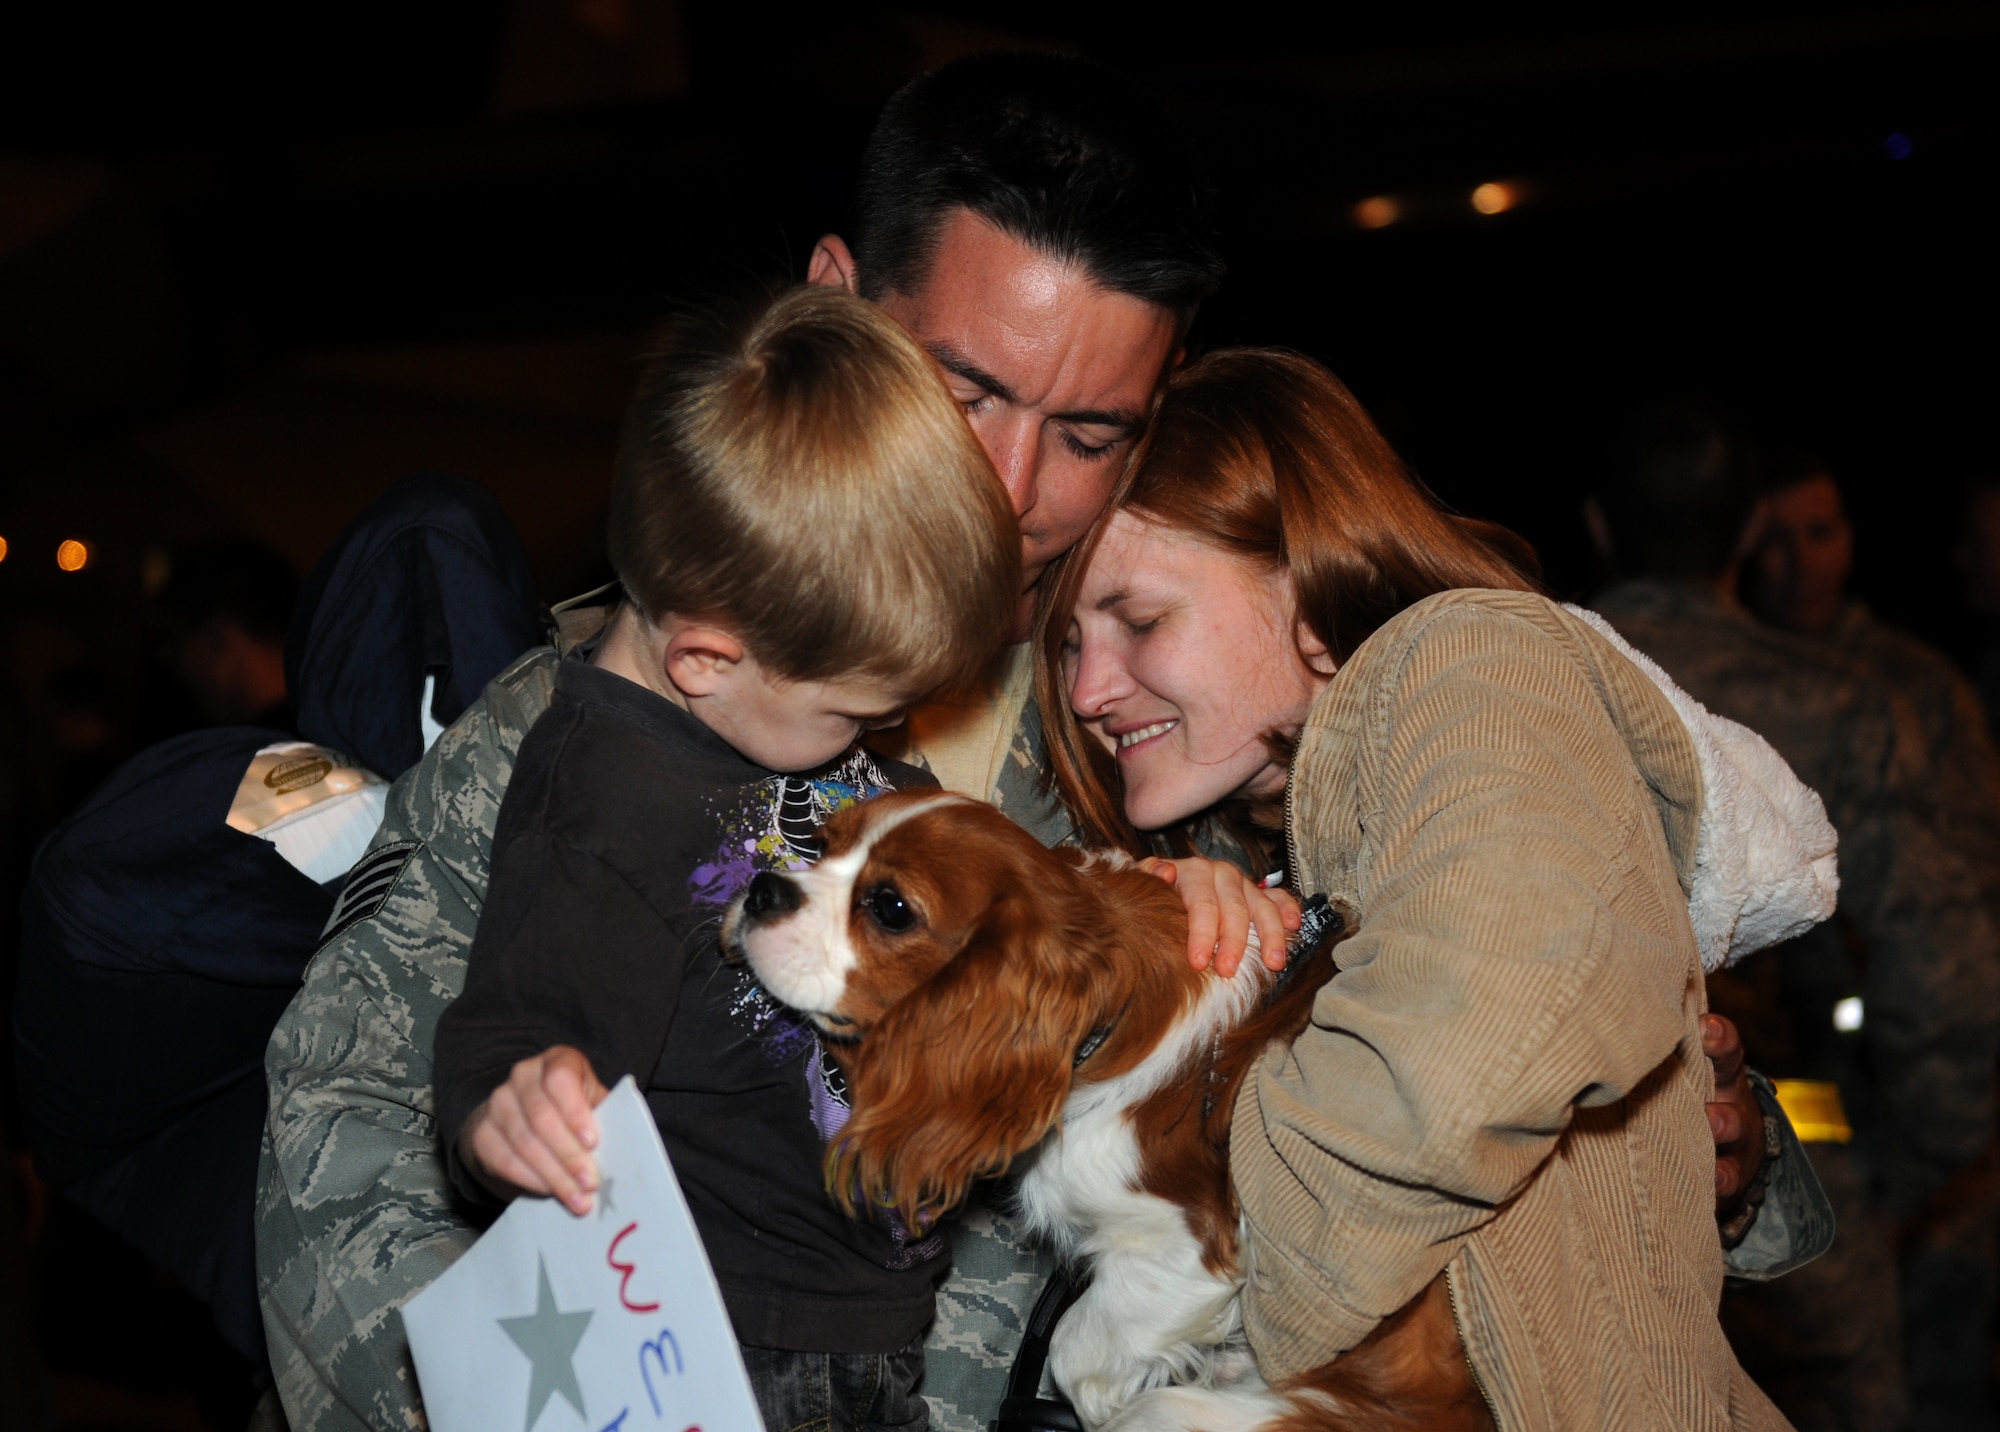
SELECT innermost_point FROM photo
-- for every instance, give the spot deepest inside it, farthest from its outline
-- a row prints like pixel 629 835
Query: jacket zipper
pixel 1295 873
pixel 1458 1321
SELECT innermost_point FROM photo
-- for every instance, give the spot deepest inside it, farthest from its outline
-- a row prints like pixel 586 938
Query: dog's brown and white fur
pixel 994 1001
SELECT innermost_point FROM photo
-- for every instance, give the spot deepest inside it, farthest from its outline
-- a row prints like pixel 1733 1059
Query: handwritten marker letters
pixel 611 1322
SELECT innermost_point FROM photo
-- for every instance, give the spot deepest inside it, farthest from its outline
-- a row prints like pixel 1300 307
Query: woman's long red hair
pixel 1266 455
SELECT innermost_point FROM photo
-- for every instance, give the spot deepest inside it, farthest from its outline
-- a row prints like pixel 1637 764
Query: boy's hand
pixel 535 1133
pixel 1223 906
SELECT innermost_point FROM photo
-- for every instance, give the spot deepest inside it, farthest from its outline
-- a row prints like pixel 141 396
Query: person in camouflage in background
pixel 1054 336
pixel 1796 581
pixel 1912 937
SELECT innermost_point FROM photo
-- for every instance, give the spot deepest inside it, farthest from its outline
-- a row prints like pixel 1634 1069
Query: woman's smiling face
pixel 1181 659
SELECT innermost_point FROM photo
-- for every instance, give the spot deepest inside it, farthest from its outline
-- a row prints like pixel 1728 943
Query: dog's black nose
pixel 769 896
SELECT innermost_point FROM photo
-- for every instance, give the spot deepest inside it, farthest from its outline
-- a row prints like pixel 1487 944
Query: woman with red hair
pixel 1276 624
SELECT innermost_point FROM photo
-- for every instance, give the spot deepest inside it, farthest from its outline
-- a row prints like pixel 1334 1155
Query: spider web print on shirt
pixel 775 826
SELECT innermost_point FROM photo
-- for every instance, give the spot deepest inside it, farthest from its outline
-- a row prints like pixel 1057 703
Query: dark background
pixel 255 265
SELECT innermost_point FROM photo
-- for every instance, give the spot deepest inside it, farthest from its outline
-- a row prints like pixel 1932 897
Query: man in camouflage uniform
pixel 355 1214
pixel 1796 581
pixel 1916 1078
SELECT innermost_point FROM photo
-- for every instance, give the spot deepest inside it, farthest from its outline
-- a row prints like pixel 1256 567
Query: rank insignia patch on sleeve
pixel 368 885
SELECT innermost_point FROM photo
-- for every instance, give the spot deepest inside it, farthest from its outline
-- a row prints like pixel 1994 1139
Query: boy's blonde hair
pixel 795 471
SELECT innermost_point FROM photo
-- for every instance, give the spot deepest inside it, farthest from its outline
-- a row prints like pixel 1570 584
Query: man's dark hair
pixel 1680 485
pixel 232 578
pixel 1788 464
pixel 1071 158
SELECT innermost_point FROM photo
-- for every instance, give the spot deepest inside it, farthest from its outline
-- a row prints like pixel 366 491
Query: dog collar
pixel 1092 1042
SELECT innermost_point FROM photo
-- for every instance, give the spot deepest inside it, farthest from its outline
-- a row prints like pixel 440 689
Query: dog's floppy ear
pixel 971 1069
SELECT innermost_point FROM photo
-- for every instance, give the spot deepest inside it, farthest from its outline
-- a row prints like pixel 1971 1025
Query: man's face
pixel 1054 371
pixel 1799 572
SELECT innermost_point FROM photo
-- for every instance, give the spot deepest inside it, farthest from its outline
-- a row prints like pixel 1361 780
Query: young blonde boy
pixel 810 539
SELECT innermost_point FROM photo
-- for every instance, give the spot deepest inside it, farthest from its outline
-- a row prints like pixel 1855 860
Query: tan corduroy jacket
pixel 1505 1079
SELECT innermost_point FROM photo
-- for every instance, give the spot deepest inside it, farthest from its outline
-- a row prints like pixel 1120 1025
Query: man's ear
pixel 832 265
pixel 1317 657
pixel 699 659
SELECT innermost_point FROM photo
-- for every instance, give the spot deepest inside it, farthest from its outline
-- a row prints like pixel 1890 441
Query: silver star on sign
pixel 549 1338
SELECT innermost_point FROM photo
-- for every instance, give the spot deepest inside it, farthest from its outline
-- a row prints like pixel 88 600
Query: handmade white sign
pixel 611 1322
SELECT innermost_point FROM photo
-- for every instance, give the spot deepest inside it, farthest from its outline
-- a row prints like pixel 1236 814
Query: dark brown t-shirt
pixel 627 829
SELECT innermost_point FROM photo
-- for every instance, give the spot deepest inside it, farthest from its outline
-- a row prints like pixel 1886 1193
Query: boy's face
pixel 793 725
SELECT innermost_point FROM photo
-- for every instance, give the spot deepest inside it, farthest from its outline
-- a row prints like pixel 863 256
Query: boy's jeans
pixel 839 1392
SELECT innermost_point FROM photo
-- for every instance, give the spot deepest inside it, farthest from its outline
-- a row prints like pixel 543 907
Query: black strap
pixel 1024 1409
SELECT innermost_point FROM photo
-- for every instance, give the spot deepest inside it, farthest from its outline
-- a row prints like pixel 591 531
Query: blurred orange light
pixel 3 549
pixel 1494 198
pixel 72 555
pixel 1378 212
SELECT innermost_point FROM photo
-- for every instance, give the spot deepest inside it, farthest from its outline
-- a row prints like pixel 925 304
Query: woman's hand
pixel 1223 906
pixel 1734 1118
pixel 535 1133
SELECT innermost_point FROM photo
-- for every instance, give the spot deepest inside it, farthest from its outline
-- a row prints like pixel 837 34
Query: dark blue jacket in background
pixel 159 945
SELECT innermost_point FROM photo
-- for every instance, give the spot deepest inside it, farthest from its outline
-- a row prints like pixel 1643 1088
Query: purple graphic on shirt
pixel 723 879
pixel 774 827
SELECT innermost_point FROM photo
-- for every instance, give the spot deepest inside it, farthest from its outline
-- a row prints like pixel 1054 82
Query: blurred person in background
pixel 1883 1024
pixel 87 729
pixel 1796 580
pixel 167 920
pixel 1976 554
pixel 224 608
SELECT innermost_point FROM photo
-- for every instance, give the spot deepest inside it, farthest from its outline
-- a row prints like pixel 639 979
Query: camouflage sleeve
pixel 997 1272
pixel 354 1212
pixel 1969 788
pixel 1963 791
pixel 1794 1224
pixel 1931 992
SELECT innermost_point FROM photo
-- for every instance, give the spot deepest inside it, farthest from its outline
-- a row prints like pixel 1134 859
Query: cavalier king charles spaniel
pixel 996 1004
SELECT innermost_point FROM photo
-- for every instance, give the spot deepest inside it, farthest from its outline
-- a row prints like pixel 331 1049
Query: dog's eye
pixel 886 908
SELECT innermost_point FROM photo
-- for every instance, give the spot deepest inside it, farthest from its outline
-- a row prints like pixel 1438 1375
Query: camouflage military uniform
pixel 1964 792
pixel 1826 1343
pixel 1949 1253
pixel 355 1214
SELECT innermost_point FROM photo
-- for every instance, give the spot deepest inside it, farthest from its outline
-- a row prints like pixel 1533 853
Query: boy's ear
pixel 832 265
pixel 699 659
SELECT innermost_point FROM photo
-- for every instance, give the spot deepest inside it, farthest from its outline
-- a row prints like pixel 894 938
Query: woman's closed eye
pixel 1134 620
